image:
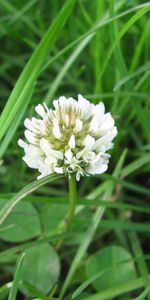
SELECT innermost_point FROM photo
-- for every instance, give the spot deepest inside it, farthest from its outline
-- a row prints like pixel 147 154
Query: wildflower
pixel 71 138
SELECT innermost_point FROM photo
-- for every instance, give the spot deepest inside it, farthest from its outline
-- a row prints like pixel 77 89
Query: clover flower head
pixel 71 138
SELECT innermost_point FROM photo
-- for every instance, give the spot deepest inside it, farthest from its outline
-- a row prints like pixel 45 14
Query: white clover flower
pixel 71 138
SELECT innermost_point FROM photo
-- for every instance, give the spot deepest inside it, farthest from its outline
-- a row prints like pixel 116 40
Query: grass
pixel 101 50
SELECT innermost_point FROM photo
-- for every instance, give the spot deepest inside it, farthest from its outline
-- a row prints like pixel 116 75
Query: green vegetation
pixel 100 49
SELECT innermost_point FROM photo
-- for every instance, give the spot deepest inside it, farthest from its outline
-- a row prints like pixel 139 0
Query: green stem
pixel 71 209
pixel 72 200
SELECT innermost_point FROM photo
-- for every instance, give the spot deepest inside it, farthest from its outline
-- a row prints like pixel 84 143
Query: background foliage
pixel 101 49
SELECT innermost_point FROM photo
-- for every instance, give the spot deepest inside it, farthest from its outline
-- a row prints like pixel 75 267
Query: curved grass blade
pixel 129 185
pixel 4 289
pixel 19 14
pixel 124 80
pixel 14 125
pixel 143 294
pixel 93 278
pixel 103 22
pixel 118 290
pixel 27 245
pixel 66 67
pixel 8 207
pixel 139 47
pixel 32 68
pixel 135 165
pixel 35 291
pixel 122 32
pixel 14 289
pixel 141 264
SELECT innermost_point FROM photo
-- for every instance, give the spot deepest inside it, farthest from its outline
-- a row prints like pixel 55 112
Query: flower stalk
pixel 71 208
pixel 72 200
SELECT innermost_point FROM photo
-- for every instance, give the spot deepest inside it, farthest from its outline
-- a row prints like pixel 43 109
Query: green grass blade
pixel 131 186
pixel 119 58
pixel 139 47
pixel 103 22
pixel 122 32
pixel 118 290
pixel 32 68
pixel 8 207
pixel 64 70
pixel 142 267
pixel 143 294
pixel 89 281
pixel 19 14
pixel 14 289
pixel 14 125
pixel 27 245
pixel 35 291
pixel 135 165
pixel 4 289
pixel 127 78
pixel 98 46
pixel 84 201
pixel 125 225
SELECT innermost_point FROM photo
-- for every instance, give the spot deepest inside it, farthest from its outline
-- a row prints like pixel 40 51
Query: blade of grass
pixel 113 32
pixel 142 80
pixel 121 68
pixel 143 294
pixel 27 245
pixel 105 21
pixel 122 32
pixel 14 125
pixel 14 289
pixel 127 78
pixel 19 14
pixel 123 94
pixel 142 267
pixel 98 46
pixel 125 225
pixel 139 47
pixel 83 201
pixel 32 68
pixel 118 290
pixel 65 68
pixel 137 105
pixel 85 14
pixel 135 165
pixel 131 186
pixel 89 281
pixel 4 289
pixel 8 207
pixel 36 292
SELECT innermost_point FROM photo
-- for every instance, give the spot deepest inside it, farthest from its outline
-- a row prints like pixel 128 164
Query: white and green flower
pixel 71 138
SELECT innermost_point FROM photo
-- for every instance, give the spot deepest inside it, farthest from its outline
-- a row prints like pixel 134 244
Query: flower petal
pixel 30 136
pixel 45 146
pixel 40 110
pixel 56 130
pixel 96 169
pixel 21 143
pixel 72 142
pixel 89 142
pixel 68 155
pixel 78 126
pixel 58 170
